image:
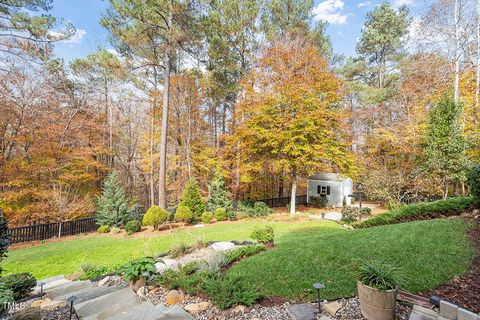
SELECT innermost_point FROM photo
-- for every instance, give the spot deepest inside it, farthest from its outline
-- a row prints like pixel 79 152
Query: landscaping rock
pixel 166 265
pixel 38 303
pixel 28 314
pixel 239 309
pixel 325 318
pixel 142 292
pixel 73 276
pixel 197 307
pixel 49 305
pixel 332 307
pixel 174 296
pixel 223 246
pixel 105 281
pixel 334 216
pixel 302 312
pixel 199 225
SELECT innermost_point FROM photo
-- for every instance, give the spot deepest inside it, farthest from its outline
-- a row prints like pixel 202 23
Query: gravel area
pixel 268 311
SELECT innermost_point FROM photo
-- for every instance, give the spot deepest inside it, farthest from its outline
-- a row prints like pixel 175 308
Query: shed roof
pixel 328 177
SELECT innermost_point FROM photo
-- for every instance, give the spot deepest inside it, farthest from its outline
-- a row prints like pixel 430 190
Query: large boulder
pixel 166 264
pixel 223 246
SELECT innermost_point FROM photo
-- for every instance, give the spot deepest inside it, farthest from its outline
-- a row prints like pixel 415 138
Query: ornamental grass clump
pixel 379 275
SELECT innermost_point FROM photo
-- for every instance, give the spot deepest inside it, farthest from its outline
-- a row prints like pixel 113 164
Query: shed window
pixel 323 190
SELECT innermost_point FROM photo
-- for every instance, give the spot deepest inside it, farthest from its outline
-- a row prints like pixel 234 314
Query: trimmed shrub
pixel 351 214
pixel 318 202
pixel 103 229
pixel 6 296
pixel 133 226
pixel 4 241
pixel 221 214
pixel 257 209
pixel 154 217
pixel 21 284
pixel 184 214
pixel 263 234
pixel 192 199
pixel 113 205
pixel 473 180
pixel 420 211
pixel 207 217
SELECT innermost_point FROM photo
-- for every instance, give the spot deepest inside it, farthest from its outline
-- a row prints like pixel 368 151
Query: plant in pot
pixel 137 271
pixel 263 235
pixel 377 285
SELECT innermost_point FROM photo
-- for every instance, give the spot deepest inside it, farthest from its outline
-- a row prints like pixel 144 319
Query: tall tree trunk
pixel 162 179
pixel 457 49
pixel 477 91
pixel 152 135
pixel 293 194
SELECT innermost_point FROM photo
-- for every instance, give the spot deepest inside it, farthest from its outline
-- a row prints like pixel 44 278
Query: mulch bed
pixel 464 291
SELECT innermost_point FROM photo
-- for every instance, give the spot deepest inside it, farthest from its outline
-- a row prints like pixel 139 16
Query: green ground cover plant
pixel 420 211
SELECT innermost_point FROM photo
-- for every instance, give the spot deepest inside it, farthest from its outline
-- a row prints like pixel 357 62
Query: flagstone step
pixel 50 285
pixel 107 305
pixel 67 288
pixel 151 312
pixel 87 293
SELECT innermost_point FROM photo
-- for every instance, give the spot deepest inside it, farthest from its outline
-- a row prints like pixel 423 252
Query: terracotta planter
pixel 377 304
pixel 137 283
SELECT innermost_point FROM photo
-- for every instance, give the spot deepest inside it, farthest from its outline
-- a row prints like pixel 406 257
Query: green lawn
pixel 430 253
pixel 65 257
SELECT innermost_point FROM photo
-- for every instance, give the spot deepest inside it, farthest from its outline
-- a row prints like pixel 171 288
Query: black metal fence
pixel 51 230
pixel 282 202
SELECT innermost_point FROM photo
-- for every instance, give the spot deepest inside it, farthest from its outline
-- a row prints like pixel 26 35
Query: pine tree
pixel 192 199
pixel 218 196
pixel 4 241
pixel 113 205
pixel 445 144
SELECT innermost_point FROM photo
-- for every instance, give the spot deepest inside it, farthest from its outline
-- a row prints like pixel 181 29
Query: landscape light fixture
pixel 41 284
pixel 70 300
pixel 146 275
pixel 319 286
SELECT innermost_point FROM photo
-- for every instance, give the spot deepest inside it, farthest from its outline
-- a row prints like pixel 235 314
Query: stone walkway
pixel 104 303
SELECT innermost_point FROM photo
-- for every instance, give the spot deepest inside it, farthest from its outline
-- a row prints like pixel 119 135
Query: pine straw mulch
pixel 464 291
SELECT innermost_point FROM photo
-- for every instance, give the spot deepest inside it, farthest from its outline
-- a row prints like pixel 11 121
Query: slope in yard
pixel 429 253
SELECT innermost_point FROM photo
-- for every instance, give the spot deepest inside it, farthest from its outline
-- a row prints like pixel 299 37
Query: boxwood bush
pixel 154 217
pixel 133 226
pixel 420 211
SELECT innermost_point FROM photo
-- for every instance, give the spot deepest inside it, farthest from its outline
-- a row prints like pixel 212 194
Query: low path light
pixel 319 286
pixel 70 300
pixel 41 284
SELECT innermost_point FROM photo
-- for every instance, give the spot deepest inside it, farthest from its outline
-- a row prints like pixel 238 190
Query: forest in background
pixel 250 89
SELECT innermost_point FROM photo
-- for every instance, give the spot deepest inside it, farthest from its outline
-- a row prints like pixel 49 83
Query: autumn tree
pixel 150 33
pixel 100 71
pixel 291 113
pixel 445 145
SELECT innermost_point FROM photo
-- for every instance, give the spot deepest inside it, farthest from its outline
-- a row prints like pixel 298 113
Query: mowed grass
pixel 66 257
pixel 429 253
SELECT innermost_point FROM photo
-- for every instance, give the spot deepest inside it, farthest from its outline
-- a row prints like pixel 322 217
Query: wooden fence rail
pixel 51 230
pixel 282 202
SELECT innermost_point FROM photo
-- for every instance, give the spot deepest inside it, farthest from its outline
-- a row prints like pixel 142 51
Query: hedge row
pixel 420 211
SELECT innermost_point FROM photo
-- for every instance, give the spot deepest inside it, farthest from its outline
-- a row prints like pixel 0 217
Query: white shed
pixel 333 185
